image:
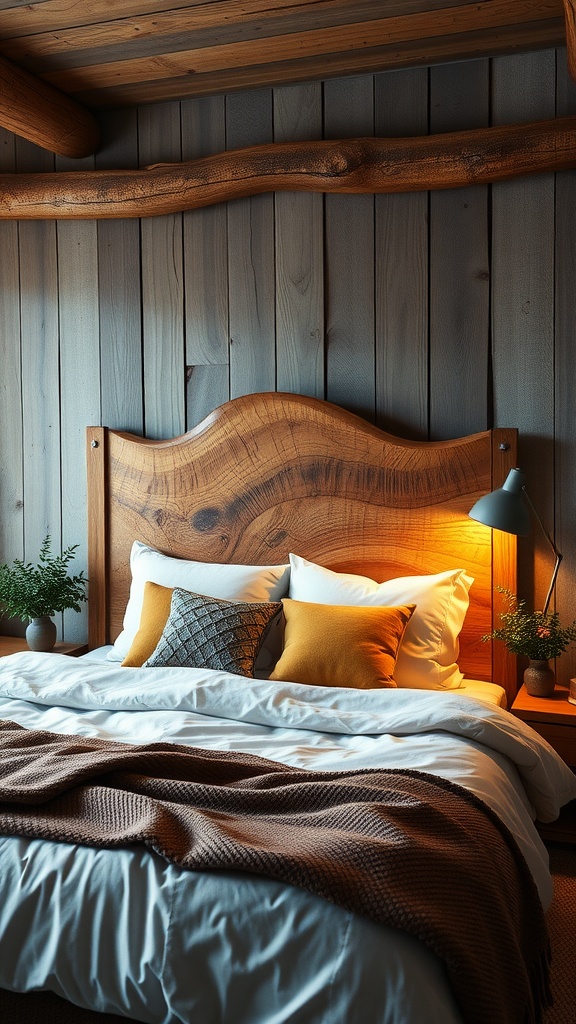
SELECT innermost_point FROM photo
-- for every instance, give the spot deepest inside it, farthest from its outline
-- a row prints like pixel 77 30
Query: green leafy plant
pixel 538 636
pixel 28 591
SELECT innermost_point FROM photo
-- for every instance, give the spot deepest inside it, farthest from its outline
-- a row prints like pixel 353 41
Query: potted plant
pixel 34 593
pixel 538 636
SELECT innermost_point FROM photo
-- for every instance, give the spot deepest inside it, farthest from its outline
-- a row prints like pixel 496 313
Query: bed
pixel 274 509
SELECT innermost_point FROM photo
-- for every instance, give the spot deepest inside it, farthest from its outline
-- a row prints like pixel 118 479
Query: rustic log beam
pixel 366 165
pixel 570 19
pixel 42 114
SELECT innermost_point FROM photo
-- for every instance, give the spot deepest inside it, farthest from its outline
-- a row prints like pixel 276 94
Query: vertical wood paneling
pixel 523 305
pixel 206 269
pixel 350 352
pixel 402 269
pixel 353 298
pixel 40 371
pixel 207 387
pixel 11 468
pixel 120 291
pixel 162 286
pixel 564 378
pixel 80 400
pixel 459 265
pixel 251 257
pixel 299 255
pixel 11 483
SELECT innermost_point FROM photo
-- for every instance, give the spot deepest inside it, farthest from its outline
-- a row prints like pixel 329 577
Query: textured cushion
pixel 340 646
pixel 428 655
pixel 204 632
pixel 229 582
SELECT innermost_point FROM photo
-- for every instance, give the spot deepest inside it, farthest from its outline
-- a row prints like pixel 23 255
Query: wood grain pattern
pixel 207 387
pixel 570 20
pixel 78 318
pixel 349 233
pixel 98 540
pixel 120 292
pixel 196 26
pixel 272 473
pixel 299 247
pixel 205 243
pixel 523 310
pixel 95 40
pixel 401 336
pixel 359 37
pixel 564 407
pixel 40 372
pixel 11 453
pixel 459 264
pixel 150 52
pixel 162 289
pixel 423 52
pixel 565 434
pixel 206 247
pixel 402 270
pixel 451 160
pixel 504 560
pixel 251 285
pixel 15 645
pixel 42 114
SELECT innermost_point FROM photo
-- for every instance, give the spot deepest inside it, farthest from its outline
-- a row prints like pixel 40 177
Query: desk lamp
pixel 508 508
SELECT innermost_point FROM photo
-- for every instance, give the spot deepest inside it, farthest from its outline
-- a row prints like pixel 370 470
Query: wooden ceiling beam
pixel 31 108
pixel 570 19
pixel 369 60
pixel 451 160
pixel 259 45
pixel 142 51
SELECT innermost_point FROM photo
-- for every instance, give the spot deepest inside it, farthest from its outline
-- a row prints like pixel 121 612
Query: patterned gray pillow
pixel 206 632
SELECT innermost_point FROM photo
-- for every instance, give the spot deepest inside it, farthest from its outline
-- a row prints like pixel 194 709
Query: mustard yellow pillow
pixel 153 617
pixel 340 645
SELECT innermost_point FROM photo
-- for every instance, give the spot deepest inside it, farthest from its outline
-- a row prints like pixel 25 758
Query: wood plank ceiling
pixel 108 53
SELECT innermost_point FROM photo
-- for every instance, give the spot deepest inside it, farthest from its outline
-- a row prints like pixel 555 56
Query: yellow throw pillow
pixel 341 645
pixel 153 617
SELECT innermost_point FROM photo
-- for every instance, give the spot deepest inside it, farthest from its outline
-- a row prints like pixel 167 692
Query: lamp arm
pixel 552 582
pixel 557 553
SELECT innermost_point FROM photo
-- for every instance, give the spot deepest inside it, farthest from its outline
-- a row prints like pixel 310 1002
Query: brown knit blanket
pixel 404 848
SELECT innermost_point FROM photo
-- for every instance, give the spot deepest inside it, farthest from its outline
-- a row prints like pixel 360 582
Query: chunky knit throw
pixel 401 847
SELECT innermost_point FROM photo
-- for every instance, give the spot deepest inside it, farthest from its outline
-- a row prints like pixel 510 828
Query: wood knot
pixel 339 164
pixel 276 538
pixel 205 520
pixel 345 157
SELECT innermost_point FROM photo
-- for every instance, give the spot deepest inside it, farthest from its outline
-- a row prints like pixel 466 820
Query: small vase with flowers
pixel 538 636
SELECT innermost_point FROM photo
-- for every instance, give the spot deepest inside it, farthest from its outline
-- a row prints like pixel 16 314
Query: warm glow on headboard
pixel 271 473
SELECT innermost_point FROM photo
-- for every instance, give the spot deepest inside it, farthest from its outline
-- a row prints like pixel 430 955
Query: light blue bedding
pixel 126 932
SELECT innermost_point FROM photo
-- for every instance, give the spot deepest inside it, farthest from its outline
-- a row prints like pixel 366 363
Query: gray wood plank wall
pixel 431 315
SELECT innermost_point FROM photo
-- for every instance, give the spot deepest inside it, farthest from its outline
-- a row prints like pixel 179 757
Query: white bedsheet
pixel 125 932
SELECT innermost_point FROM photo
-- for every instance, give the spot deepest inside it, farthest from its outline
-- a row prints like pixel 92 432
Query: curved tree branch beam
pixel 42 114
pixel 570 19
pixel 350 166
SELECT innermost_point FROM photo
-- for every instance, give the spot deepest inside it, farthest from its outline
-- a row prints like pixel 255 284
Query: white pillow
pixel 428 654
pixel 229 582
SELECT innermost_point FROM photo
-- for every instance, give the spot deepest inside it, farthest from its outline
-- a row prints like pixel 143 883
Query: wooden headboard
pixel 271 473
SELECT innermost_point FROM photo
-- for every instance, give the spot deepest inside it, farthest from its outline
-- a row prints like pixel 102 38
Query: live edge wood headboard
pixel 271 473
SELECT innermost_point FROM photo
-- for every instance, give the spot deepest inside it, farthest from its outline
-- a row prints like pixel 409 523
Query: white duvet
pixel 127 933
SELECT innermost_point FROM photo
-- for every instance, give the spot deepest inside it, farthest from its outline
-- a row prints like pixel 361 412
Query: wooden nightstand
pixel 15 644
pixel 553 718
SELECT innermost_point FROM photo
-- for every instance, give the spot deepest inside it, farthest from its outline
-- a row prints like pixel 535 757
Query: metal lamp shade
pixel 505 509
